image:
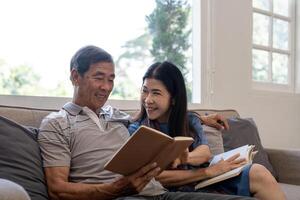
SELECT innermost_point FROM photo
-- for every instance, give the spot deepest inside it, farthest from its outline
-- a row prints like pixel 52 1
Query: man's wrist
pixel 121 188
pixel 110 190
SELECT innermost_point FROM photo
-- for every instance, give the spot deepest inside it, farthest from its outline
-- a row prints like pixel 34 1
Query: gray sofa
pixel 285 162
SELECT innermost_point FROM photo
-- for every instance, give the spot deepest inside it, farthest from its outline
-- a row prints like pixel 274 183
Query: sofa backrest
pixel 33 116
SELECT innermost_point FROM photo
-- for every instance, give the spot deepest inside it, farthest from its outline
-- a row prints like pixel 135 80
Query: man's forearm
pixel 59 186
pixel 82 191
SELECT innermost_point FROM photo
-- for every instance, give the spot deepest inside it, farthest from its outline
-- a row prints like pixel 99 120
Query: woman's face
pixel 156 100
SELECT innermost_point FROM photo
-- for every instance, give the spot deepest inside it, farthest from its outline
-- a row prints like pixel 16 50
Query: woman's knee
pixel 260 173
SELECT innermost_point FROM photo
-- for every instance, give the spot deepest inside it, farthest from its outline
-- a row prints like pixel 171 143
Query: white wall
pixel 277 115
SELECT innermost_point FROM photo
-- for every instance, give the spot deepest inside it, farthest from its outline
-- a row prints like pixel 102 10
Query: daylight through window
pixel 38 39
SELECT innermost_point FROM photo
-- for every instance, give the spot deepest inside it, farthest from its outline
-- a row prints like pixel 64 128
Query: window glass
pixel 260 65
pixel 38 39
pixel 280 34
pixel 281 7
pixel 280 68
pixel 262 4
pixel 261 25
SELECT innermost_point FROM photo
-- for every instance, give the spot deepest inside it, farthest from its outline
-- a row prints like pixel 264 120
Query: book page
pixel 244 151
pixel 182 138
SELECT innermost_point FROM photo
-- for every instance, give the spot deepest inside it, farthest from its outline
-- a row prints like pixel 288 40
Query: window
pixel 272 53
pixel 38 39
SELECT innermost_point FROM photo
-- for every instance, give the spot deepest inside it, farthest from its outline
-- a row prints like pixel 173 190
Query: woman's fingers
pixel 234 157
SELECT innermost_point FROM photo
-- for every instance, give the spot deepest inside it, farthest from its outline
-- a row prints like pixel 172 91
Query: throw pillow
pixel 242 132
pixel 214 138
pixel 20 159
pixel 12 191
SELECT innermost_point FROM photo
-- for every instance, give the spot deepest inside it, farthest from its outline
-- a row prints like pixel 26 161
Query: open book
pixel 246 151
pixel 145 146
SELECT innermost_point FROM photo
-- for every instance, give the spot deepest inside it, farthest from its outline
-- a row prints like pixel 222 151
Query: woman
pixel 164 107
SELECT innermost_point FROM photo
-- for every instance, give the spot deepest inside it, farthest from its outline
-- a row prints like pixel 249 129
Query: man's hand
pixel 136 182
pixel 215 120
pixel 225 165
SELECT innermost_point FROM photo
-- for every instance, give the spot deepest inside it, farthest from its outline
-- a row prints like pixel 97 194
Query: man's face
pixel 93 89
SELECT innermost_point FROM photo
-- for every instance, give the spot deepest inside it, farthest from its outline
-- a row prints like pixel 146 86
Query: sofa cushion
pixel 214 138
pixel 20 159
pixel 292 192
pixel 12 191
pixel 286 163
pixel 242 132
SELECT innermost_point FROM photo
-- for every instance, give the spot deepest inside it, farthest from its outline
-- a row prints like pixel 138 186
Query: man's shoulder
pixel 55 117
pixel 68 110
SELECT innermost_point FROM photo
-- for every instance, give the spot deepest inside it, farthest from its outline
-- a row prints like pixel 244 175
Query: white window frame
pixel 57 102
pixel 297 46
pixel 270 86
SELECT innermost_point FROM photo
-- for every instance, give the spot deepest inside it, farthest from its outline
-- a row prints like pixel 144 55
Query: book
pixel 145 146
pixel 246 151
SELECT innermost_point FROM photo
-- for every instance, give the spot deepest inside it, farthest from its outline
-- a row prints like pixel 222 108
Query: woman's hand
pixel 225 165
pixel 182 159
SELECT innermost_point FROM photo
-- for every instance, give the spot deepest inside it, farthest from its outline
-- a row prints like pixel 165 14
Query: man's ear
pixel 74 77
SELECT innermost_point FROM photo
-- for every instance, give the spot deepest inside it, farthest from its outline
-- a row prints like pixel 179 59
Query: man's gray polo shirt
pixel 72 138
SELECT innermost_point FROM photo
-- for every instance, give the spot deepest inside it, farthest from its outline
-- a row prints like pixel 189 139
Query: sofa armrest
pixel 286 163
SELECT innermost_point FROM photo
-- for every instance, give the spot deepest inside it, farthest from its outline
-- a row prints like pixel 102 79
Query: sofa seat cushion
pixel 20 159
pixel 214 138
pixel 292 192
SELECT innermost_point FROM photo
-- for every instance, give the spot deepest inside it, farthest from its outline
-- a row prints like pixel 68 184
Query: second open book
pixel 246 151
pixel 145 146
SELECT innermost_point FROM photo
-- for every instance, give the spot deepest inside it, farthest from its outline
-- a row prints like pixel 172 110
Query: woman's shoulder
pixel 133 126
pixel 193 117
